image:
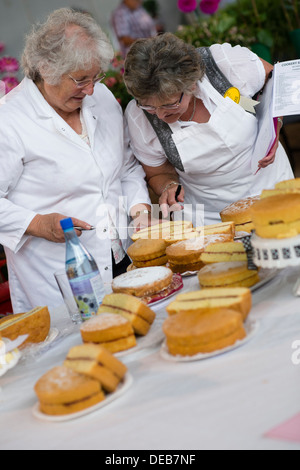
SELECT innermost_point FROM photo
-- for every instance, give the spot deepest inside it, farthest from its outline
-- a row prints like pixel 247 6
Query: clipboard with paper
pixel 266 126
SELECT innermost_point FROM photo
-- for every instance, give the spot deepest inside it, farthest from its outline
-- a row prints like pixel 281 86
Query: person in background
pixel 185 132
pixel 131 21
pixel 64 153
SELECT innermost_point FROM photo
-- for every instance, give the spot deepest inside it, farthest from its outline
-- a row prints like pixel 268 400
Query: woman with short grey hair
pixel 63 153
pixel 52 51
pixel 190 126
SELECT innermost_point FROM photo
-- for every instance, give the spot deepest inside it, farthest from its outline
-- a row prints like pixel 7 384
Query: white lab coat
pixel 216 155
pixel 46 167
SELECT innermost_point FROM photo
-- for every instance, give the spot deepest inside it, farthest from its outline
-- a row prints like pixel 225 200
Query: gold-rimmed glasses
pixel 164 106
pixel 84 83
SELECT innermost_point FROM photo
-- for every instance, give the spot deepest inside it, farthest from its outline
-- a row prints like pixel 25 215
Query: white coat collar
pixel 41 106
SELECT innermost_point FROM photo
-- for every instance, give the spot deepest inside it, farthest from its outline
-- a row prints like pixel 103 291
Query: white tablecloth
pixel 226 402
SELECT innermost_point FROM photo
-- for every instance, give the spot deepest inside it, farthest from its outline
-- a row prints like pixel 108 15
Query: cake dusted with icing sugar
pixel 62 391
pixel 111 331
pixel 239 212
pixel 186 255
pixel 144 281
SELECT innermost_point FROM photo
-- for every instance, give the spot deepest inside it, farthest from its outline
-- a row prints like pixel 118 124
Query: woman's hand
pixel 144 221
pixel 48 227
pixel 169 202
pixel 270 158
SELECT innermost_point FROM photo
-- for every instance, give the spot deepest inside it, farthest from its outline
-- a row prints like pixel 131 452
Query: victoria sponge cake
pixel 204 300
pixel 62 391
pixel 114 332
pixel 187 335
pixel 148 252
pixel 228 274
pixel 239 212
pixel 143 281
pixel 130 307
pixel 277 216
pixel 220 252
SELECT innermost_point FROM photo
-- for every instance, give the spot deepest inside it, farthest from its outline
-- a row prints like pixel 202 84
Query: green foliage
pixel 244 22
pixel 114 81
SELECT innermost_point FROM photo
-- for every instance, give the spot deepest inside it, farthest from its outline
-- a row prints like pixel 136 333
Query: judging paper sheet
pixel 286 95
pixel 266 134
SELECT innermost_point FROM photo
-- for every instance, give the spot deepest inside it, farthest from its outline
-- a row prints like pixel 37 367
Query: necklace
pixel 194 109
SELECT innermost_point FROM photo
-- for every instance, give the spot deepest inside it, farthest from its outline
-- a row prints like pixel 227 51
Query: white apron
pixel 216 157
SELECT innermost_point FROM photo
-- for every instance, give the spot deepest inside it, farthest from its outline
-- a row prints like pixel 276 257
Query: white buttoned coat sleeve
pixel 46 167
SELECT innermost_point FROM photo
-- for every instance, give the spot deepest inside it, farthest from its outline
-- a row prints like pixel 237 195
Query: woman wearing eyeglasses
pixel 186 132
pixel 63 153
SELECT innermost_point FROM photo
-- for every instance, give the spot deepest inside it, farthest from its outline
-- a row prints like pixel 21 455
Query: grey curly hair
pixel 162 66
pixel 68 41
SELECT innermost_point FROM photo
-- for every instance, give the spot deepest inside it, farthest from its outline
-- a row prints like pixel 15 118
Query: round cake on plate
pixel 144 281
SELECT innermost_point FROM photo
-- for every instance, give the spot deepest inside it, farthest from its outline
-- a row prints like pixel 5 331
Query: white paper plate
pixel 265 275
pixel 33 348
pixel 189 273
pixel 251 328
pixel 122 388
pixel 154 336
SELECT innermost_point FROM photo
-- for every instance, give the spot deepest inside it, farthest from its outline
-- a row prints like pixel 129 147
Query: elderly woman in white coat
pixel 63 153
pixel 185 130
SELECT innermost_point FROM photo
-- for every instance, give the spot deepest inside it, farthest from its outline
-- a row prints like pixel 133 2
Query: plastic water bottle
pixel 83 274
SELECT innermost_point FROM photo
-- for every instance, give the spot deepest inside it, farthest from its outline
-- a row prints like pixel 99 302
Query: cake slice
pixel 35 324
pixel 131 308
pixel 97 363
pixel 221 252
pixel 235 298
pixel 226 228
pixel 163 230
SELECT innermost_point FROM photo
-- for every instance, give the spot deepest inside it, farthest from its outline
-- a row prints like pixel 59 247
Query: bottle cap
pixel 66 223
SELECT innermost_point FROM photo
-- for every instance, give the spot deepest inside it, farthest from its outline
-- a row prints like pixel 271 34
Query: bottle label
pixel 88 292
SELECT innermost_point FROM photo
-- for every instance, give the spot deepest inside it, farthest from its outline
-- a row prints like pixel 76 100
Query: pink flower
pixel 10 83
pixel 2 47
pixel 110 82
pixel 187 6
pixel 209 7
pixel 9 64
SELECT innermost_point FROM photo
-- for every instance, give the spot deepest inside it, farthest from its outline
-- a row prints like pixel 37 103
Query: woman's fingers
pixel 170 202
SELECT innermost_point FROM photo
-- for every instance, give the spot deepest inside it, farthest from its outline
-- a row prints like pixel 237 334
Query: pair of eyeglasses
pixel 164 106
pixel 85 83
